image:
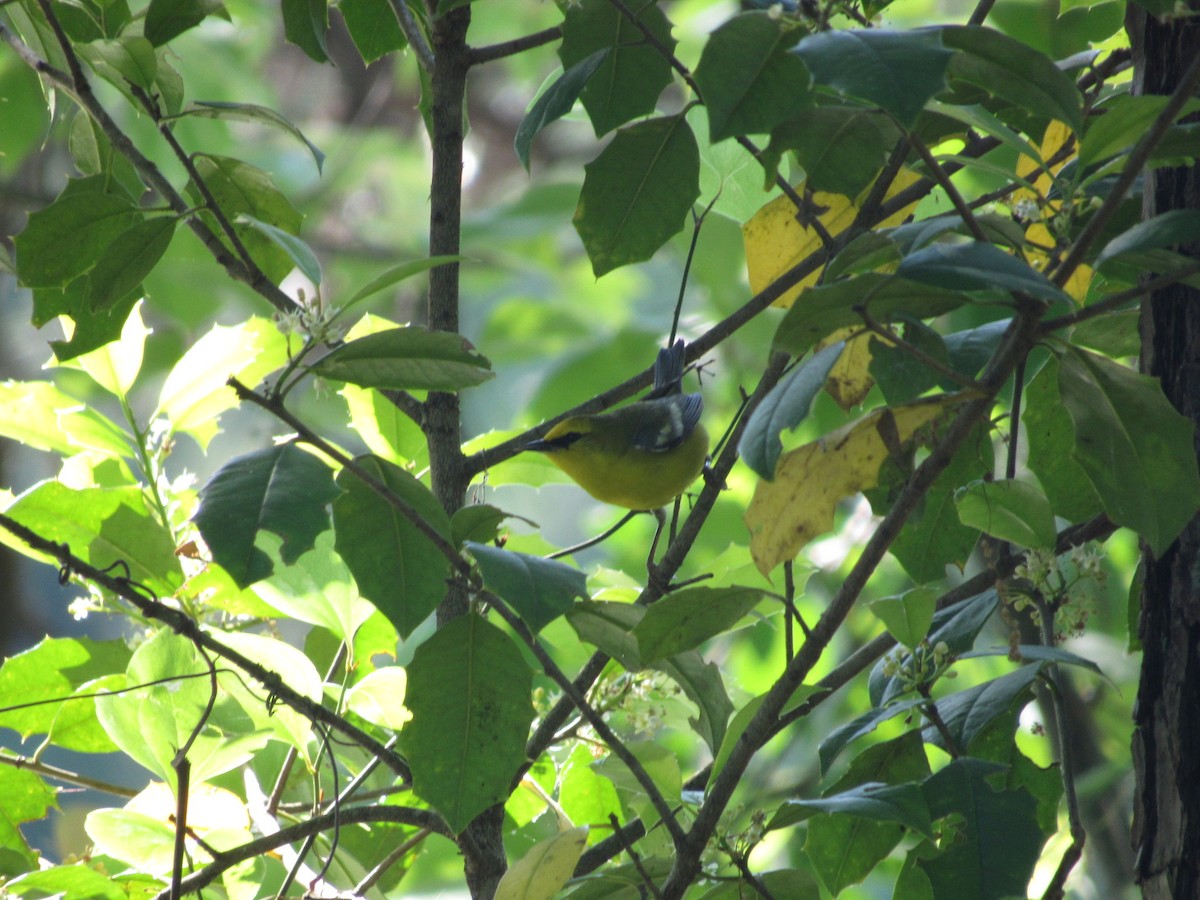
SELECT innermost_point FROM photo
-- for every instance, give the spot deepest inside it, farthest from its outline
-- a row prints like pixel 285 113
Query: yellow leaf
pixel 810 481
pixel 1053 140
pixel 850 379
pixel 540 873
pixel 775 241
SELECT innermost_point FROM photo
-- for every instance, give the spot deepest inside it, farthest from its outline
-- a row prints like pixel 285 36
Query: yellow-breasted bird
pixel 640 456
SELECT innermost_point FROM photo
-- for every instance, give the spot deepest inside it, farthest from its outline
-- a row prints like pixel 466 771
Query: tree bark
pixel 1166 740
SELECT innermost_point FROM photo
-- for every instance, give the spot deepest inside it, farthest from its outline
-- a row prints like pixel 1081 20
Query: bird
pixel 641 456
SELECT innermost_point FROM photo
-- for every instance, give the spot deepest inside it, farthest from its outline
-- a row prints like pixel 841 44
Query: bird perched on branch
pixel 641 456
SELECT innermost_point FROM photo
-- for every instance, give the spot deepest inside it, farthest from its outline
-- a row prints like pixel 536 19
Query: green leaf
pixel 379 698
pixel 902 803
pixel 556 101
pixel 469 693
pixel 27 798
pixel 1132 444
pixel 1178 226
pixel 540 590
pixel 1124 122
pixel 729 175
pixel 478 522
pixel 637 192
pixel 129 259
pixel 87 20
pixel 908 616
pixel 1009 510
pixel 318 589
pixel 633 74
pixel 282 490
pixel 820 311
pixel 39 415
pixel 138 838
pixel 88 328
pixel 60 667
pixel 410 358
pixel 394 564
pixel 94 155
pixel 115 366
pixel 1051 440
pixel 129 58
pixel 785 407
pixel 840 148
pixel 659 762
pixel 933 537
pixel 398 273
pixel 261 115
pixel 737 727
pixel 274 655
pixel 76 881
pixel 685 619
pixel 387 432
pixel 151 723
pixel 608 626
pixel 997 845
pixel 196 390
pixel 102 526
pixel 828 749
pixel 373 27
pixel 299 252
pixel 545 868
pixel 897 71
pixel 748 79
pixel 702 684
pixel 242 189
pixel 957 626
pixel 1013 71
pixel 86 222
pixel 844 848
pixel 1037 653
pixel 167 19
pixel 967 713
pixel 976 266
pixel 305 23
pixel 1111 334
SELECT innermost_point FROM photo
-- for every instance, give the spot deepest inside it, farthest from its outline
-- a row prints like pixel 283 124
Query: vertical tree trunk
pixel 1166 741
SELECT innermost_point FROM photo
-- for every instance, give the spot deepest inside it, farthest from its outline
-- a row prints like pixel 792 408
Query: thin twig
pixel 372 878
pixel 1116 301
pixel 380 489
pixel 944 182
pixel 413 34
pixel 182 624
pixel 602 729
pixel 479 55
pixel 402 815
pixel 60 774
pixel 915 352
pixel 1066 758
pixel 633 855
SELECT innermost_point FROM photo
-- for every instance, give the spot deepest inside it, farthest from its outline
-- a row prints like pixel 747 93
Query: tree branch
pixel 182 624
pixel 76 85
pixel 477 56
pixel 413 34
pixel 354 815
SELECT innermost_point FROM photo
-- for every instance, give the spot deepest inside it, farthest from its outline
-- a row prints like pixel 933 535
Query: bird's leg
pixel 660 516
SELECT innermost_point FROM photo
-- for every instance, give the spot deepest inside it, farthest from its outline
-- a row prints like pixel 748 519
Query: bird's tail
pixel 668 370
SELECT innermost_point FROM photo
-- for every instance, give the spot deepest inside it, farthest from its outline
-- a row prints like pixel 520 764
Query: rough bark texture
pixel 1166 741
